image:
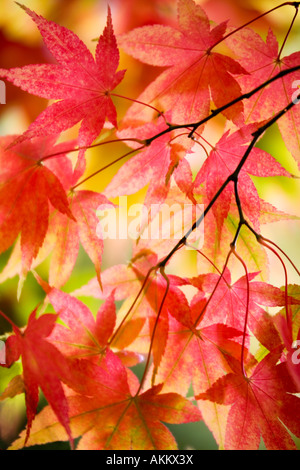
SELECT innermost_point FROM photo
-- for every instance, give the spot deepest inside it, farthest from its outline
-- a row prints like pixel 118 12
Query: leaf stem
pixel 199 318
pixel 8 320
pixel 294 4
pixel 247 311
pixel 133 304
pixel 160 113
pixel 287 303
pixel 87 147
pixel 154 329
pixel 289 30
pixel 232 177
pixel 215 112
pixel 279 249
pixel 105 167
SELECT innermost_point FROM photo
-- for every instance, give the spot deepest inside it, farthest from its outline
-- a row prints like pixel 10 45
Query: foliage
pixel 211 348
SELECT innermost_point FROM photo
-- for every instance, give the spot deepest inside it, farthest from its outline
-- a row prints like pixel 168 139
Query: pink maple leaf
pixel 81 83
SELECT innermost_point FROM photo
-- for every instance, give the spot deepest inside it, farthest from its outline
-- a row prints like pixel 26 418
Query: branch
pixel 215 112
pixel 232 177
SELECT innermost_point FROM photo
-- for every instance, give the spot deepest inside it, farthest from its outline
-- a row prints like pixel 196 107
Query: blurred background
pixel 21 44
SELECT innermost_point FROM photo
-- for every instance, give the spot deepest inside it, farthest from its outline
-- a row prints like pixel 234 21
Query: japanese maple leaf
pixel 197 355
pixel 156 303
pixel 171 221
pixel 253 253
pixel 43 367
pixel 15 387
pixel 228 304
pixel 157 300
pixel 65 235
pixel 288 327
pixel 194 69
pixel 29 188
pixel 81 83
pixel 115 415
pixel 123 281
pixel 166 300
pixel 62 231
pixel 222 161
pixel 83 336
pixel 119 278
pixel 263 64
pixel 262 405
pixel 154 165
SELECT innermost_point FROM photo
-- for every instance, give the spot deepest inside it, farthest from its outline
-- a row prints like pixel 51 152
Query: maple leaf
pixel 72 213
pixel 228 304
pixel 290 333
pixel 197 355
pixel 81 335
pixel 158 297
pixel 194 70
pixel 81 361
pixel 114 415
pixel 221 163
pixel 43 366
pixel 262 405
pixel 168 223
pixel 119 278
pixel 15 387
pixel 80 82
pixel 27 186
pixel 266 62
pixel 154 165
pixel 126 282
pixel 253 253
pixel 65 235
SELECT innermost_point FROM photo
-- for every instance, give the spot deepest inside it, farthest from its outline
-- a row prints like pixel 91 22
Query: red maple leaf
pixel 262 405
pixel 64 235
pixel 81 335
pixel 290 333
pixel 197 355
pixel 43 366
pixel 228 304
pixel 199 343
pixel 26 168
pixel 194 70
pixel 156 304
pixel 154 165
pixel 266 62
pixel 113 414
pixel 221 163
pixel 27 186
pixel 80 82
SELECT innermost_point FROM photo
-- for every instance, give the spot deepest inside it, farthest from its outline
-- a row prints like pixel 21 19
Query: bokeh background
pixel 21 44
